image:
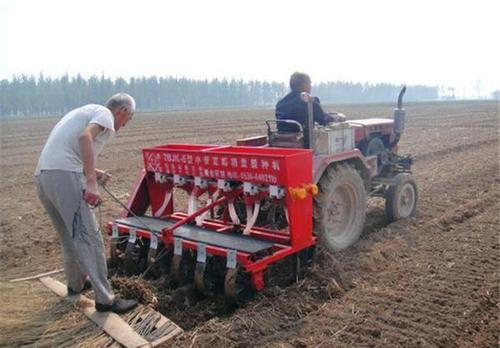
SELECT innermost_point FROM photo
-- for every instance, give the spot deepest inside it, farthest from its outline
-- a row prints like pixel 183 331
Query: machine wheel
pixel 207 276
pixel 117 253
pixel 135 261
pixel 401 199
pixel 159 261
pixel 182 269
pixel 238 286
pixel 113 252
pixel 339 208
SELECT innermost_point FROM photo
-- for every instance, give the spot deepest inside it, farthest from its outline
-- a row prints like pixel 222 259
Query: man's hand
pixel 102 176
pixel 91 195
pixel 329 119
pixel 341 117
pixel 335 117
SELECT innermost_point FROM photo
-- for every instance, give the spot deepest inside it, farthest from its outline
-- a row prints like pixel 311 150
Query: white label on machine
pixel 231 259
pixel 132 237
pixel 250 188
pixel 179 180
pixel 162 178
pixel 177 246
pixel 223 185
pixel 201 255
pixel 200 182
pixel 114 230
pixel 276 191
pixel 153 244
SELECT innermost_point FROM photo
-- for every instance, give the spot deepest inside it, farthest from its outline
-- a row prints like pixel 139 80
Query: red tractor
pixel 268 198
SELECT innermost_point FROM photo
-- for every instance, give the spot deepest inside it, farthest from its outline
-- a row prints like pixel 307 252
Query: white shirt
pixel 62 149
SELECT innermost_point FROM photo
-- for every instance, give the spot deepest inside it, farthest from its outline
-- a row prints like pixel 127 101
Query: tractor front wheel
pixel 340 207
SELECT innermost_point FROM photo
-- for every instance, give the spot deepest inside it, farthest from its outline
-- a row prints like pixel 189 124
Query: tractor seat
pixel 279 138
pixel 286 139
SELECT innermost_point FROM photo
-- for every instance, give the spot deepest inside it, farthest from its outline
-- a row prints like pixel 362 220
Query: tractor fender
pixel 366 166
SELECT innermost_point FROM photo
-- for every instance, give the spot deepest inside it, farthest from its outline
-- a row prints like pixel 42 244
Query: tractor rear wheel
pixel 340 207
pixel 401 199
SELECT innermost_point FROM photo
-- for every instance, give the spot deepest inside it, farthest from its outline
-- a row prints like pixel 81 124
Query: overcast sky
pixel 449 43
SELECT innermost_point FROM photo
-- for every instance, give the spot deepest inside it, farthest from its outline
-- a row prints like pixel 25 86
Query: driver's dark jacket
pixel 292 107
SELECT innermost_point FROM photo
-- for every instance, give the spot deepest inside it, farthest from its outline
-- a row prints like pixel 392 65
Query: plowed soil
pixel 431 281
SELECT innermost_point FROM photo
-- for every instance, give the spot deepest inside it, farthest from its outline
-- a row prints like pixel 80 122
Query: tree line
pixel 27 95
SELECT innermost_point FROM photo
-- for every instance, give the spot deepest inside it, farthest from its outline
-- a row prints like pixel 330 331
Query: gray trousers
pixel 61 193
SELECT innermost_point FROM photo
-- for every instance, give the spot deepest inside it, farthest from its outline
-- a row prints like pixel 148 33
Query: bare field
pixel 433 281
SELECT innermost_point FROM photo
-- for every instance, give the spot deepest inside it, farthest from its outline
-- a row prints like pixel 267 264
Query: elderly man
pixel 67 187
pixel 292 107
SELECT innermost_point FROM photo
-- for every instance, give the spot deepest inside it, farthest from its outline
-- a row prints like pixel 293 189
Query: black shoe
pixel 118 306
pixel 86 286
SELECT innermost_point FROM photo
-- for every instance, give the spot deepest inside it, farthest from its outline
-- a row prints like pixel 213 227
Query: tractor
pixel 253 204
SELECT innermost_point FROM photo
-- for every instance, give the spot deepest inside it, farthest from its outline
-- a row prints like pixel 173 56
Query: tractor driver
pixel 67 179
pixel 292 107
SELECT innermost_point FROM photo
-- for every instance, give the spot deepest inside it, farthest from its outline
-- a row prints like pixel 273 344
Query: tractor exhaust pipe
pixel 399 114
pixel 399 119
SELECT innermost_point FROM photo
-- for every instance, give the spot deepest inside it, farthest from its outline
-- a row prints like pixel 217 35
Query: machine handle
pixel 301 129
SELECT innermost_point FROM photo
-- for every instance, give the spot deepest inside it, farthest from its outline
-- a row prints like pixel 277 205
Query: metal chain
pixel 160 255
pixel 129 211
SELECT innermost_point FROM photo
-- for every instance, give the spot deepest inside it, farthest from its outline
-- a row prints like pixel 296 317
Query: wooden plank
pixel 168 327
pixel 110 322
pixel 37 276
pixel 174 333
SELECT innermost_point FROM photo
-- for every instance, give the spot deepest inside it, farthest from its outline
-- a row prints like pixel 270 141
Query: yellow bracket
pixel 301 192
